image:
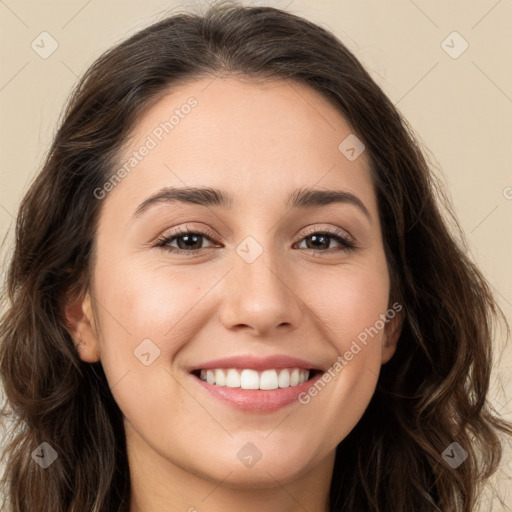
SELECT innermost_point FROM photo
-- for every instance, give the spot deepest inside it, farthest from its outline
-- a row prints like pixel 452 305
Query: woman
pixel 232 288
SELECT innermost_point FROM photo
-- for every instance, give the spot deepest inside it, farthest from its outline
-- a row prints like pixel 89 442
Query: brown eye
pixel 321 241
pixel 186 240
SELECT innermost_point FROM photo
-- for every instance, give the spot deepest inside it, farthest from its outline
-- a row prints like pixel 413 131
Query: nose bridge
pixel 258 293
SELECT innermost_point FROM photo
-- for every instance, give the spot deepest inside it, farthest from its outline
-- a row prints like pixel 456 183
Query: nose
pixel 260 297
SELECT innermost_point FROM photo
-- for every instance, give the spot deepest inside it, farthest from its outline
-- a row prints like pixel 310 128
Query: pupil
pixel 319 237
pixel 190 238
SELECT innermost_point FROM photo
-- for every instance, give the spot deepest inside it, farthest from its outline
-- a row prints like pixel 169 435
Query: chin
pixel 263 473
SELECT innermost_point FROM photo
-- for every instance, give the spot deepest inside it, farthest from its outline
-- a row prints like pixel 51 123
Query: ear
pixel 392 332
pixel 79 319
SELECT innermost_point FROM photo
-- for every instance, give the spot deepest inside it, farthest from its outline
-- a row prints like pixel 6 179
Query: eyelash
pixel 346 243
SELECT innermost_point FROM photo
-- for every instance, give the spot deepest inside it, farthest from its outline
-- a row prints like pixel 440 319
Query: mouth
pixel 255 384
pixel 248 390
pixel 251 379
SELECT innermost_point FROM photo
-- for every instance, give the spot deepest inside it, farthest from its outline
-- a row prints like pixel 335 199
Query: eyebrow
pixel 301 198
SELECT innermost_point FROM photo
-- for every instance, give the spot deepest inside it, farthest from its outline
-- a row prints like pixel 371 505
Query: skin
pixel 259 142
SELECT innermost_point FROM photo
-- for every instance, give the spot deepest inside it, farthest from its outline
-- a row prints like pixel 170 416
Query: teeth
pixel 232 378
pixel 269 380
pixel 251 379
pixel 219 378
pixel 284 378
pixel 294 377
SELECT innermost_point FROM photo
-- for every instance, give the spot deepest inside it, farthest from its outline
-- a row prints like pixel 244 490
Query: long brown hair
pixel 432 393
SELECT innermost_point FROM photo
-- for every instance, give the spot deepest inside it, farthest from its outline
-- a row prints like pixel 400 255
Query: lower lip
pixel 257 400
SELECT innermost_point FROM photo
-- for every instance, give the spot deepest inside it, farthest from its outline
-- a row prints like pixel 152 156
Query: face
pixel 278 288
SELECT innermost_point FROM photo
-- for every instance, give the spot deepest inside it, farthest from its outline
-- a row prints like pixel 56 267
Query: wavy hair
pixel 433 391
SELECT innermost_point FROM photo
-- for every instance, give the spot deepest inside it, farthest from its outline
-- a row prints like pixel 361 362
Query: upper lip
pixel 257 363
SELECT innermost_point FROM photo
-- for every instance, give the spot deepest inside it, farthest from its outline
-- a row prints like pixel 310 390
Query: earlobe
pixel 392 332
pixel 79 319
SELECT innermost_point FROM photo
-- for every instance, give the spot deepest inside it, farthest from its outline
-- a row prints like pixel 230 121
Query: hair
pixel 431 393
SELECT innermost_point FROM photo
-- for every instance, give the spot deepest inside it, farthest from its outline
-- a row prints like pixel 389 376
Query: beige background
pixel 460 107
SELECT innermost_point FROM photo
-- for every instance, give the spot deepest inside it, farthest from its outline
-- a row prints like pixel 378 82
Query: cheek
pixel 149 309
pixel 151 303
pixel 348 302
pixel 146 317
pixel 348 310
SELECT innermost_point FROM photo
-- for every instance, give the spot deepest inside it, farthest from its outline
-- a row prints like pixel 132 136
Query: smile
pixel 252 379
pixel 233 387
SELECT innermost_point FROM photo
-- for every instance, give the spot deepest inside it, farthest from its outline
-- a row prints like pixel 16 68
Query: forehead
pixel 247 137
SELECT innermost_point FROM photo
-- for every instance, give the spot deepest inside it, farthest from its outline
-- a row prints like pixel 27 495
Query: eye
pixel 187 241
pixel 321 240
